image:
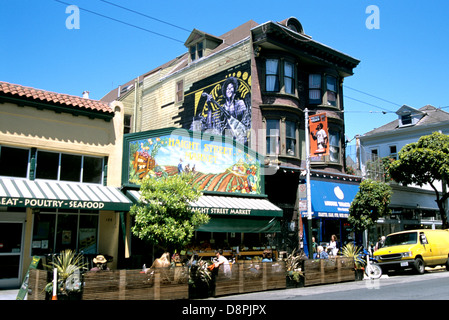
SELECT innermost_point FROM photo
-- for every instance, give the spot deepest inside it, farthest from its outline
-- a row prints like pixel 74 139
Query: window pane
pixel 272 136
pixel 88 233
pixel 289 75
pixel 13 162
pixel 331 85
pixel 92 170
pixel 272 76
pixel 47 165
pixel 290 128
pixel 314 81
pixel 43 234
pixel 70 167
pixel 66 235
pixel 315 88
pixel 334 146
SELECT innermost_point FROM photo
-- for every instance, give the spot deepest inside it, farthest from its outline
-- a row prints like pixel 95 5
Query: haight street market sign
pixel 217 164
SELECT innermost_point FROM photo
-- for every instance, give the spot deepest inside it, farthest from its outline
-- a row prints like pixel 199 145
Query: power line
pixel 123 22
pixel 146 16
pixel 368 94
pixel 384 110
pixel 184 29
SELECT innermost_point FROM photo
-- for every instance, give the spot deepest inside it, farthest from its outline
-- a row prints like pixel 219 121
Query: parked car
pixel 414 249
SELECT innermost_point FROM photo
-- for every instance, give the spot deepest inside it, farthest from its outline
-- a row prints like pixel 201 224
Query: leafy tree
pixel 164 216
pixel 370 203
pixel 425 162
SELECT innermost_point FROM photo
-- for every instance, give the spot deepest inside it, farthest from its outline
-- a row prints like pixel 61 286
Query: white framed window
pixel 394 152
pixel 179 92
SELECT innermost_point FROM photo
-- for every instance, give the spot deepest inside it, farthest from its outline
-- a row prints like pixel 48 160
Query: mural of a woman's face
pixel 230 91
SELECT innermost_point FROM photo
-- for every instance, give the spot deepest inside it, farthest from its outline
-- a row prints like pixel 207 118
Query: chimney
pixel 86 94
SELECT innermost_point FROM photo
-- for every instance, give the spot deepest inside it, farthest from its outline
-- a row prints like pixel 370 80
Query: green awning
pixel 234 213
pixel 61 195
pixel 217 205
pixel 238 224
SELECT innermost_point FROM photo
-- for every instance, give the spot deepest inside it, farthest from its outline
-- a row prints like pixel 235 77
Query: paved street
pixel 433 285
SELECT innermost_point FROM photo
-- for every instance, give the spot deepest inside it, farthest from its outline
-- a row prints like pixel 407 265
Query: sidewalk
pixel 8 294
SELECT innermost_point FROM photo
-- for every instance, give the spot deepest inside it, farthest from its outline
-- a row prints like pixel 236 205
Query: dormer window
pixel 406 119
pixel 201 44
pixel 196 51
pixel 409 116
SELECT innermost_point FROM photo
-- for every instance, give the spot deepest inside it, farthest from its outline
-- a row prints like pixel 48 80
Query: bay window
pixel 319 91
pixel 280 73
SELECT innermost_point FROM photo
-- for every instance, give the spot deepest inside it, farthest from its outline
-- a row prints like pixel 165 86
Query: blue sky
pixel 404 61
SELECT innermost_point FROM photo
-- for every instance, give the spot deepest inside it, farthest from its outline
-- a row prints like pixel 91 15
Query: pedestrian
pixel 321 254
pixel 380 243
pixel 333 247
pixel 314 245
pixel 221 260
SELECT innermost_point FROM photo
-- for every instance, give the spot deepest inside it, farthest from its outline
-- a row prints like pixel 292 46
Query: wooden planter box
pixel 163 284
pixel 250 277
pixel 36 284
pixel 332 270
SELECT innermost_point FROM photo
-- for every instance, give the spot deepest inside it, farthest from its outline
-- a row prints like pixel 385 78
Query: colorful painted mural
pixel 215 166
pixel 221 104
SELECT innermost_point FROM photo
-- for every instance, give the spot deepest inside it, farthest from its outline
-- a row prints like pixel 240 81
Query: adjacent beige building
pixel 59 155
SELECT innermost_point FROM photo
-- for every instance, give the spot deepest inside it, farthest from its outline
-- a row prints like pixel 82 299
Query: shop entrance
pixel 11 247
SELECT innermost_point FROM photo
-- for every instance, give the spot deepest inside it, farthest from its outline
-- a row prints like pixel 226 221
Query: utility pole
pixel 309 199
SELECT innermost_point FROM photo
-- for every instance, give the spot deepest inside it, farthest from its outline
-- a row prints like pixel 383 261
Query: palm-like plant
pixel 352 251
pixel 67 263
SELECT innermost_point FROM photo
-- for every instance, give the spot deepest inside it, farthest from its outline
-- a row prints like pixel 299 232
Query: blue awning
pixel 331 199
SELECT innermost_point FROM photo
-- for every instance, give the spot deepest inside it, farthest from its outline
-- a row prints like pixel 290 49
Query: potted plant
pixel 199 278
pixel 294 268
pixel 69 266
pixel 354 252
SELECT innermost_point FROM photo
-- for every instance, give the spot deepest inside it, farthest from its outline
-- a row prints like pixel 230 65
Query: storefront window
pixel 56 231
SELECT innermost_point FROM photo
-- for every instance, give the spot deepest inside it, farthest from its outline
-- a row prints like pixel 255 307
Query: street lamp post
pixel 309 199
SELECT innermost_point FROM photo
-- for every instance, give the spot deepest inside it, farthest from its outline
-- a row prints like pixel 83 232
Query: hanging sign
pixel 319 135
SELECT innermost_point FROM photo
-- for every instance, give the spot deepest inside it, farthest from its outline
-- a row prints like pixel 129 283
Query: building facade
pixel 59 155
pixel 253 85
pixel 412 206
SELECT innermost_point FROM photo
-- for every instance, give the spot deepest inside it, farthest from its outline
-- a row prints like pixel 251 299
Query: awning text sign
pixel 48 203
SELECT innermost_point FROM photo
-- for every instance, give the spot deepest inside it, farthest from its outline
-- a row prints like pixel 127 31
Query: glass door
pixel 10 254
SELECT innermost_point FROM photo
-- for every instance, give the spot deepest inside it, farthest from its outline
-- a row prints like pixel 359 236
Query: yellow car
pixel 414 249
